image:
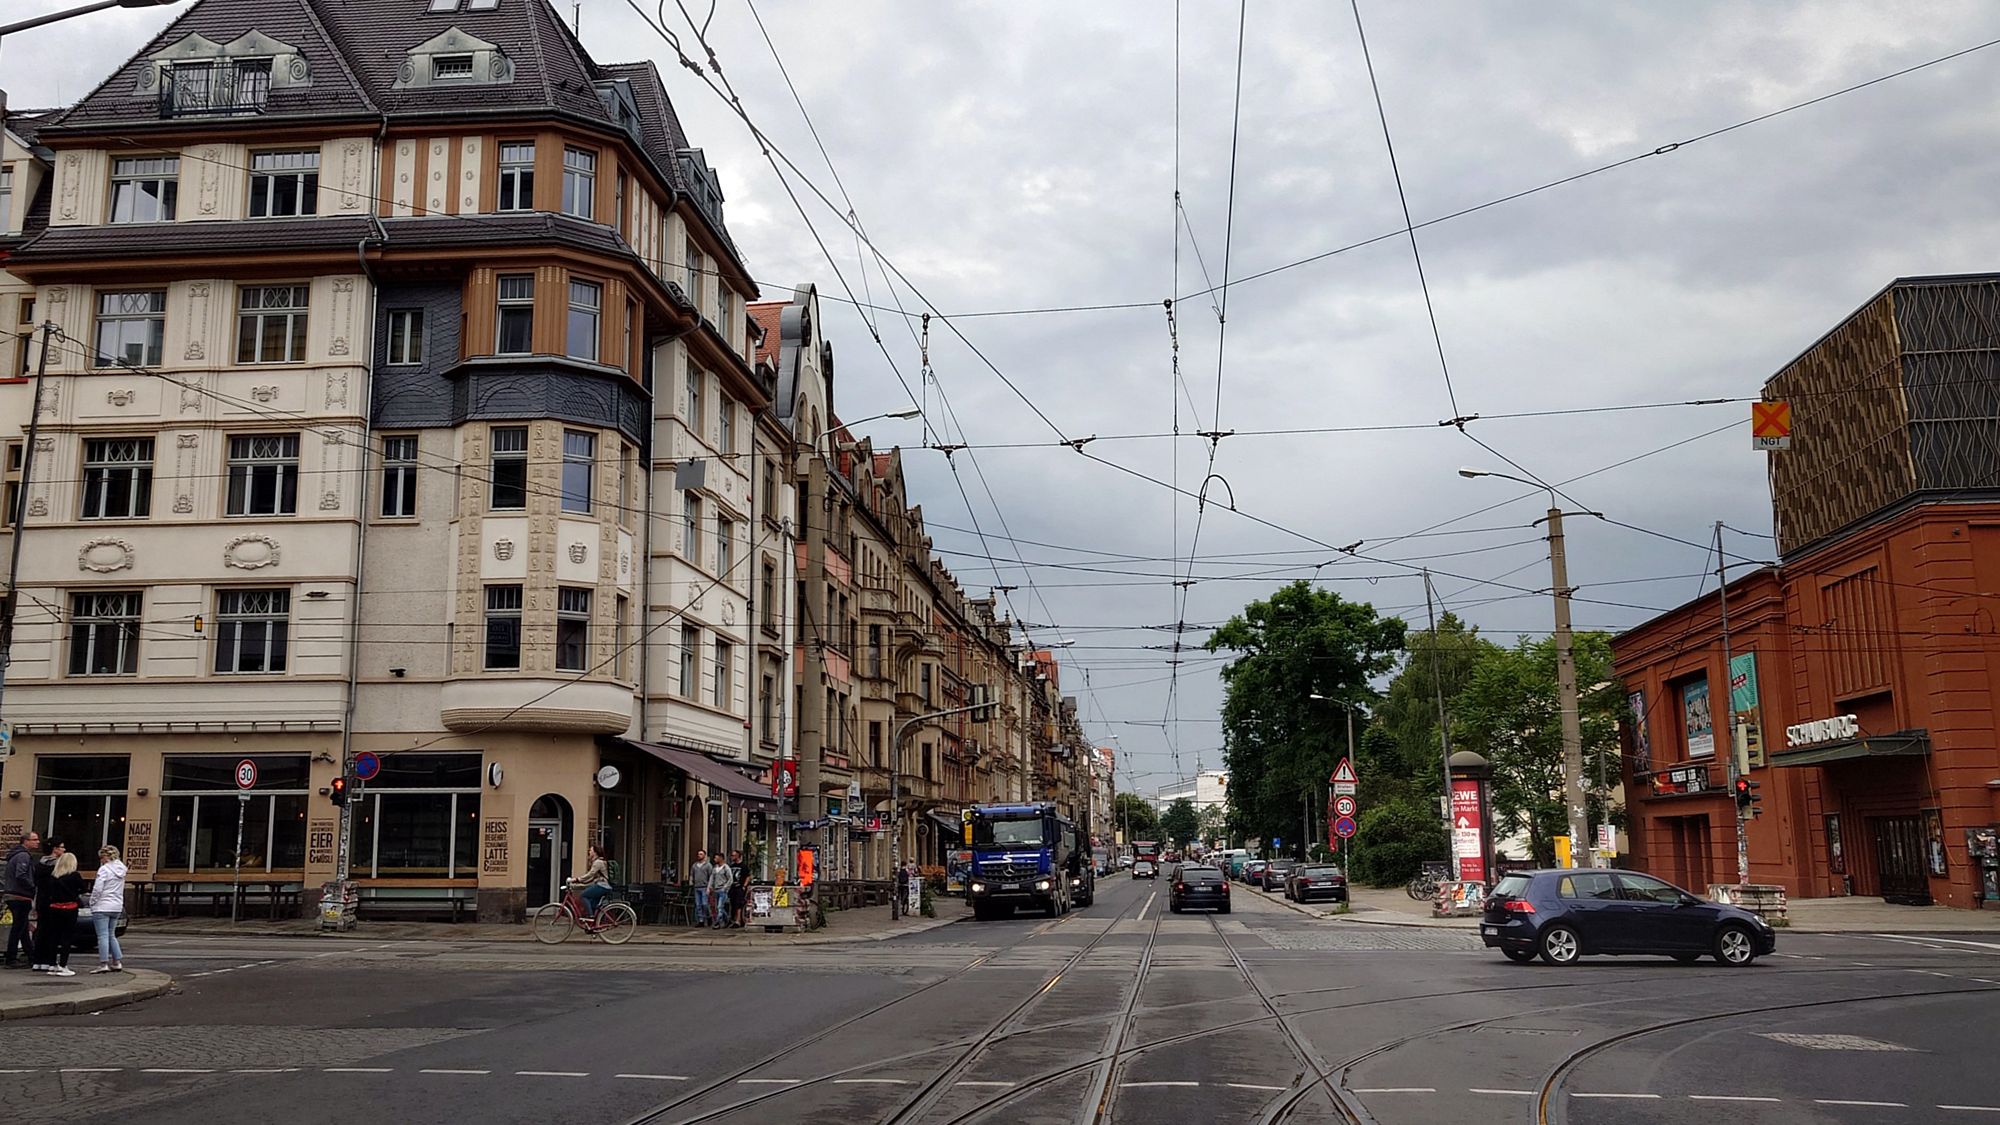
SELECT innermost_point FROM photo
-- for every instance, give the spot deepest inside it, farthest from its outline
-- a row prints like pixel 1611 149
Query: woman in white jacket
pixel 107 902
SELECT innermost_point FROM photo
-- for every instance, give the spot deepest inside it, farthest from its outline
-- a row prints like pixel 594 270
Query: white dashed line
pixel 177 1070
pixel 1397 1090
pixel 443 1070
pixel 1511 1093
pixel 552 1073
pixel 359 1070
pixel 655 1077
pixel 90 1070
pixel 1149 1085
pixel 1649 1097
pixel 1973 1108
pixel 1728 1098
pixel 265 1070
pixel 1945 940
pixel 767 1081
pixel 1871 1105
pixel 986 1083
pixel 31 1071
pixel 871 1082
pixel 1253 1086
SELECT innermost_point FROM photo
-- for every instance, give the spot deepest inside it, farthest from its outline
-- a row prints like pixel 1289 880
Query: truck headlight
pixel 1076 880
pixel 1042 885
pixel 979 888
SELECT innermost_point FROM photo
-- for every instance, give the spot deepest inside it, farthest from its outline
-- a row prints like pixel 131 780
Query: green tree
pixel 1278 742
pixel 1508 712
pixel 1138 819
pixel 1408 712
pixel 1394 840
pixel 1179 823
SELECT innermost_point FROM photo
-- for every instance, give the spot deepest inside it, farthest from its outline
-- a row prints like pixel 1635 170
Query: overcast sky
pixel 1026 155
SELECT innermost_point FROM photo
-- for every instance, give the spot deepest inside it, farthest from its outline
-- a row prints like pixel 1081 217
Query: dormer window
pixel 446 67
pixel 454 56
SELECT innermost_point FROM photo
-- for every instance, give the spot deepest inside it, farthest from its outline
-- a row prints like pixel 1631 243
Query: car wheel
pixel 1735 947
pixel 1560 945
pixel 1687 958
pixel 1518 956
pixel 1175 907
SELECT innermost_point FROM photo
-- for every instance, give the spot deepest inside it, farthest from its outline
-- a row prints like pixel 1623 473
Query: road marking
pixel 1982 980
pixel 1515 1093
pixel 767 1081
pixel 265 1070
pixel 1148 1085
pixel 1974 1108
pixel 871 1082
pixel 90 1070
pixel 553 1073
pixel 655 1077
pixel 1946 940
pixel 177 1070
pixel 1149 905
pixel 1396 1090
pixel 1871 1105
pixel 359 1070
pixel 443 1070
pixel 1652 1097
pixel 986 1083
pixel 1728 1098
pixel 1253 1086
pixel 29 1071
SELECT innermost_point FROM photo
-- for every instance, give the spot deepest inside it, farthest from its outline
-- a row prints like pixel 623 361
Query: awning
pixel 949 822
pixel 706 770
pixel 1906 744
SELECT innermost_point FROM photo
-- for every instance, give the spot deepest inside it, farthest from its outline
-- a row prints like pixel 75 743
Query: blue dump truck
pixel 1026 856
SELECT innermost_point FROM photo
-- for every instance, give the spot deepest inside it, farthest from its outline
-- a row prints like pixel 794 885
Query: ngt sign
pixel 1822 730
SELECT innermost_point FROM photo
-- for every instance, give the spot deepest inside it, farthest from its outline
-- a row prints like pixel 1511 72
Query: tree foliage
pixel 1408 713
pixel 1279 742
pixel 1139 820
pixel 1180 824
pixel 1509 713
pixel 1395 840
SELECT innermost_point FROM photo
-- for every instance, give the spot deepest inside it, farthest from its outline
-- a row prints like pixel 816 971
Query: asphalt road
pixel 1116 1013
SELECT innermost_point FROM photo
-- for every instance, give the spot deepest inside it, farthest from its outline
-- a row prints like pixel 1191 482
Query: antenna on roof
pixel 576 18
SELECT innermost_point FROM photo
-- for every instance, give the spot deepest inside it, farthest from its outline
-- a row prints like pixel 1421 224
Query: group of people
pixel 51 887
pixel 721 889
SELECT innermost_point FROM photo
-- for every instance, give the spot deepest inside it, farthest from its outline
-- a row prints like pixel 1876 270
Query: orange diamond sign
pixel 1771 425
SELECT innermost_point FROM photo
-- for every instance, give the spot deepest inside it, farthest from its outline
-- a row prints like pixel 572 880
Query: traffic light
pixel 337 792
pixel 1746 797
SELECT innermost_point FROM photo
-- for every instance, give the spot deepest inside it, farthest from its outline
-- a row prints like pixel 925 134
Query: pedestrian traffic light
pixel 337 792
pixel 1747 800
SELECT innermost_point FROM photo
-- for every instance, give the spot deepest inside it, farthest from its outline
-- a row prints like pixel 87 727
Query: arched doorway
pixel 549 822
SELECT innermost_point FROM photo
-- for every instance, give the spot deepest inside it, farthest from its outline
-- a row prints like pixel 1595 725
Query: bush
pixel 933 878
pixel 1395 840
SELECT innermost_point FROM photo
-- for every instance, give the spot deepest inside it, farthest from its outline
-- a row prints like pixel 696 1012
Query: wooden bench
pixel 279 896
pixel 424 898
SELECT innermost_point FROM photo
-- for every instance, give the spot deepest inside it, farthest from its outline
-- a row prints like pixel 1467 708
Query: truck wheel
pixel 981 912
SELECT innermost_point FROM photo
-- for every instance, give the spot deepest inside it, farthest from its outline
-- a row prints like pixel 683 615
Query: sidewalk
pixel 24 993
pixel 842 927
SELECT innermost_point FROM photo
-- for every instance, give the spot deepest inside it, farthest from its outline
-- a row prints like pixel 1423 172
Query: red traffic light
pixel 337 792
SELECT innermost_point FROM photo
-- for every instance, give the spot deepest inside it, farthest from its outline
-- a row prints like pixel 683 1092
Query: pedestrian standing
pixel 719 878
pixel 698 885
pixel 739 888
pixel 56 907
pixel 17 886
pixel 107 905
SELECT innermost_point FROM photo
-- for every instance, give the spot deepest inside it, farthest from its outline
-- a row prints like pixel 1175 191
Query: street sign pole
pixel 236 891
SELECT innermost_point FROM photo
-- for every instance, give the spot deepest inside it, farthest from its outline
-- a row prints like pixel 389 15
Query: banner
pixel 1465 830
pixel 1698 720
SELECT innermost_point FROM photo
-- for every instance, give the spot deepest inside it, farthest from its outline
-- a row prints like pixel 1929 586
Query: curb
pixel 94 999
pixel 748 939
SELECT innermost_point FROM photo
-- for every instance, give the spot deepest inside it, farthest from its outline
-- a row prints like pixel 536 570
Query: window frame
pixel 296 319
pixel 579 182
pixel 573 627
pixel 725 422
pixel 112 808
pixel 691 516
pixel 517 309
pixel 154 318
pixel 239 501
pixel 399 476
pixel 515 179
pixel 579 458
pixel 405 337
pixel 226 802
pixel 690 677
pixel 439 74
pixel 516 461
pixel 695 377
pixel 725 545
pixel 230 630
pixel 124 626
pixel 724 687
pixel 305 184
pixel 99 474
pixel 162 170
pixel 585 316
pixel 500 615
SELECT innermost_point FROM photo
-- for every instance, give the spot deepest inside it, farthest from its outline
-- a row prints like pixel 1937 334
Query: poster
pixel 1836 856
pixel 1934 842
pixel 139 846
pixel 320 838
pixel 1642 743
pixel 1743 704
pixel 1698 720
pixel 1465 830
pixel 493 846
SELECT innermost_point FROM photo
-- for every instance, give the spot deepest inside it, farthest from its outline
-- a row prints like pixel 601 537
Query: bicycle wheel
pixel 617 922
pixel 552 923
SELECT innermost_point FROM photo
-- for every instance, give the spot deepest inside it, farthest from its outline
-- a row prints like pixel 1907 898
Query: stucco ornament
pixel 578 552
pixel 118 398
pixel 104 556
pixel 251 552
pixel 264 393
pixel 503 549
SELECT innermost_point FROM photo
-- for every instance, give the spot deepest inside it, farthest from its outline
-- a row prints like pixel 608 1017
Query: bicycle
pixel 1421 887
pixel 614 922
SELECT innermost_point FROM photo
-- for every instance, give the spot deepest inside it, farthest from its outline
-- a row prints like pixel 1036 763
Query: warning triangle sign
pixel 1344 772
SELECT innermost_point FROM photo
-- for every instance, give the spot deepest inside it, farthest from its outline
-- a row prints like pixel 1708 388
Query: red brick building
pixel 1867 662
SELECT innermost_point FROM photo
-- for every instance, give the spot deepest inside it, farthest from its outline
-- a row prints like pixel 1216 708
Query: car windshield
pixel 1317 872
pixel 1007 832
pixel 1511 886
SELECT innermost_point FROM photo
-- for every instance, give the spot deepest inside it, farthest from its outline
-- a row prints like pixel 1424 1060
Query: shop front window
pixel 419 818
pixel 80 800
pixel 200 805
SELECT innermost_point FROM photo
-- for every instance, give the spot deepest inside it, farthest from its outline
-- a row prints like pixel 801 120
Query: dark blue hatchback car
pixel 1562 915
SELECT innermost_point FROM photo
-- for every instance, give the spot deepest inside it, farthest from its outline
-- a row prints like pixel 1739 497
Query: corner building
pixel 1866 664
pixel 385 332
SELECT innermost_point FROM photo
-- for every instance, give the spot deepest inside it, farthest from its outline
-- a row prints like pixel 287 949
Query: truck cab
pixel 1022 856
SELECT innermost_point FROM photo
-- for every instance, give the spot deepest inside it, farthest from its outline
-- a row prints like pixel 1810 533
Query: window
pixel 517 315
pixel 771 493
pixel 131 327
pixel 572 629
pixel 503 627
pixel 875 651
pixel 271 324
pixel 399 475
pixel 621 636
pixel 586 299
pixel 6 199
pixel 509 468
pixel 725 546
pixel 579 183
pixel 12 502
pixel 218 86
pixel 767 596
pixel 726 423
pixel 690 652
pixel 1587 884
pixel 406 336
pixel 517 177
pixel 104 634
pixel 691 531
pixel 579 461
pixel 618 214
pixel 766 705
pixel 1645 888
pixel 250 630
pixel 80 799
pixel 200 802
pixel 625 480
pixel 283 184
pixel 419 818
pixel 263 474
pixel 447 67
pixel 725 673
pixel 694 419
pixel 695 267
pixel 117 478
pixel 924 681
pixel 144 188
pixel 875 744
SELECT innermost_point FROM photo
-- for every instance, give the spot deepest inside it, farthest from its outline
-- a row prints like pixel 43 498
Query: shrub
pixel 1395 839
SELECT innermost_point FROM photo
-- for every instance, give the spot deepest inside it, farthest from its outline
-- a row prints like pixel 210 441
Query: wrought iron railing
pixel 215 87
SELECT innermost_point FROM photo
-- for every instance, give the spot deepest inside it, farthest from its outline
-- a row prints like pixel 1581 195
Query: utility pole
pixel 1572 730
pixel 1728 727
pixel 1444 723
pixel 895 789
pixel 19 516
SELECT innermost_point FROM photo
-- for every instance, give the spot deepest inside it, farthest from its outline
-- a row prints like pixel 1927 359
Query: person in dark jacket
pixel 739 888
pixel 56 902
pixel 17 886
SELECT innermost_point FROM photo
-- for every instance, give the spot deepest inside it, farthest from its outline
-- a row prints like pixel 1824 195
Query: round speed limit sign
pixel 1343 806
pixel 246 774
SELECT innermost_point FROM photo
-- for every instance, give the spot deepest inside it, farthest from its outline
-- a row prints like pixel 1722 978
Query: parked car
pixel 83 935
pixel 1272 878
pixel 1198 886
pixel 1124 861
pixel 1145 869
pixel 1254 870
pixel 1237 861
pixel 1562 915
pixel 1316 880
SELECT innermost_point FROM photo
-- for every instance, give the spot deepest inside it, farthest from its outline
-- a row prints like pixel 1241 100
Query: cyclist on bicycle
pixel 595 882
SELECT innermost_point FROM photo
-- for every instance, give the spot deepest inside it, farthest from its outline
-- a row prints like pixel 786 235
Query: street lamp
pixel 1572 732
pixel 910 413
pixel 81 10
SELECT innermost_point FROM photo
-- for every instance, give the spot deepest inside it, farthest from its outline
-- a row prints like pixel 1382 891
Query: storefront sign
pixel 1465 830
pixel 493 846
pixel 1689 779
pixel 12 831
pixel 1698 720
pixel 1822 730
pixel 139 845
pixel 321 837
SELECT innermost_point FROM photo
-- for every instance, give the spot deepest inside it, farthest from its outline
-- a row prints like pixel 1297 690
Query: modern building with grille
pixel 1864 668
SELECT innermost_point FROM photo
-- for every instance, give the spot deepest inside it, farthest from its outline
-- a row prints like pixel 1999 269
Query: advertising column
pixel 1467 830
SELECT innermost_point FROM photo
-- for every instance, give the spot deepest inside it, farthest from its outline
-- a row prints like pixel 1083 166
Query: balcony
pixel 215 88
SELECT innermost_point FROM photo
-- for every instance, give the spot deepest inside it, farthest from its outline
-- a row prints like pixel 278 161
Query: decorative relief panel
pixel 197 325
pixel 209 179
pixel 264 393
pixel 118 398
pixel 104 556
pixel 191 393
pixel 336 388
pixel 51 399
pixel 250 552
pixel 332 460
pixel 578 552
pixel 68 196
pixel 438 188
pixel 343 316
pixel 503 549
pixel 353 167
